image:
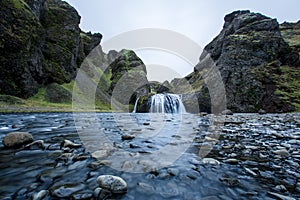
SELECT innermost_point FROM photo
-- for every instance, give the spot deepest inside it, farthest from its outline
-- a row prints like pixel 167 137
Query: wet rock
pixel 145 188
pixel 80 157
pixel 40 195
pixel 230 181
pixel 211 161
pixel 82 196
pixel 282 152
pixel 281 188
pixel 231 161
pixel 66 190
pixel 280 196
pixel 114 184
pixel 101 154
pixel 262 112
pixel 227 112
pixel 250 172
pixel 39 144
pixel 17 139
pixel 96 192
pixel 173 171
pixel 127 137
pixel 70 144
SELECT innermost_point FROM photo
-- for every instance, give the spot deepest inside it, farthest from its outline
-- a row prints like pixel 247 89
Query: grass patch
pixel 288 85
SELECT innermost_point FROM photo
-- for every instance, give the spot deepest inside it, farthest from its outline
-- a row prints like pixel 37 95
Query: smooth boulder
pixel 114 184
pixel 16 139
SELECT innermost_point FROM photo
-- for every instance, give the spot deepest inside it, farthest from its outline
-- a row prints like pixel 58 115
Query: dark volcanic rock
pixel 129 77
pixel 40 44
pixel 20 53
pixel 250 54
pixel 290 33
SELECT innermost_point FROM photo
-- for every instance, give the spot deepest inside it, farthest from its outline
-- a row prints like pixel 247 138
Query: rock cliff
pixel 40 43
pixel 254 60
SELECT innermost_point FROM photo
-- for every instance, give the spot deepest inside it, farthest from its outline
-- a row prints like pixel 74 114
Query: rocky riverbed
pixel 242 156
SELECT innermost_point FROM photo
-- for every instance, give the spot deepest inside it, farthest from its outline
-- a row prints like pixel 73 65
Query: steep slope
pixel 40 43
pixel 254 61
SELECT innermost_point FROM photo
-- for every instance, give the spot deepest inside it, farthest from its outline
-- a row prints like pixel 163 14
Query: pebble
pixel 127 137
pixel 66 190
pixel 280 196
pixel 36 145
pixel 114 184
pixel 211 161
pixel 70 144
pixel 145 188
pixel 231 161
pixel 40 195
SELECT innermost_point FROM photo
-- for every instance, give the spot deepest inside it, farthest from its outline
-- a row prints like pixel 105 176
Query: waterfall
pixel 166 103
pixel 162 103
pixel 135 105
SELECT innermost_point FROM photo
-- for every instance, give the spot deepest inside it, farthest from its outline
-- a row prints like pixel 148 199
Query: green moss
pixel 288 85
pixel 84 36
pixel 7 99
pixel 20 4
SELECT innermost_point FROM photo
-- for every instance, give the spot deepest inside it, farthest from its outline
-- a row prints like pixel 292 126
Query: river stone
pixel 280 196
pixel 127 137
pixel 15 139
pixel 114 184
pixel 66 190
pixel 101 154
pixel 36 145
pixel 70 144
pixel 40 195
pixel 227 112
pixel 282 152
pixel 211 161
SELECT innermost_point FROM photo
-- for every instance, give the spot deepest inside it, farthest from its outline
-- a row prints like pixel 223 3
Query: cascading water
pixel 164 103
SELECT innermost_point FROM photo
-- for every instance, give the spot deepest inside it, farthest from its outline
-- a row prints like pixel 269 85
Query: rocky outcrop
pixel 129 77
pixel 40 43
pixel 290 33
pixel 56 93
pixel 248 45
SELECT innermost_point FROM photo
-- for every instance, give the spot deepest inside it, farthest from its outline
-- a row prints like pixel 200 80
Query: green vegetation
pixel 84 36
pixel 20 4
pixel 286 80
pixel 288 85
pixel 40 103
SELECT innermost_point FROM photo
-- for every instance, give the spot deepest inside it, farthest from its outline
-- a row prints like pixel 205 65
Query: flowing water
pixel 243 161
pixel 164 103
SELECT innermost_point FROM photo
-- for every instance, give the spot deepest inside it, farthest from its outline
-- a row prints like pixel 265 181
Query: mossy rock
pixel 56 93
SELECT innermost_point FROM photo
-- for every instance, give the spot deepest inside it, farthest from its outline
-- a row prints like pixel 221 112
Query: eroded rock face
pixel 248 45
pixel 129 76
pixel 290 33
pixel 41 43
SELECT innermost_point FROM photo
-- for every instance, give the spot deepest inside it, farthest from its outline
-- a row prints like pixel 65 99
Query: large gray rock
pixel 113 184
pixel 17 139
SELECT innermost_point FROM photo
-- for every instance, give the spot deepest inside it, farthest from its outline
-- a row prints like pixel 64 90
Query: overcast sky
pixel 199 20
